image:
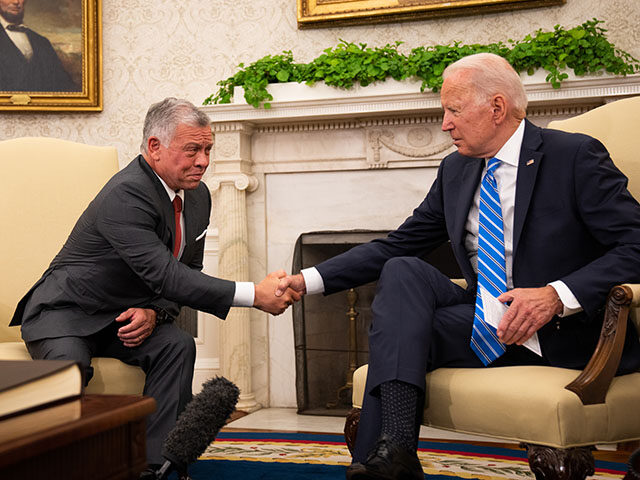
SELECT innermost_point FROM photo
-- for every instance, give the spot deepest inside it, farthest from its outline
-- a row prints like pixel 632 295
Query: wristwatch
pixel 161 315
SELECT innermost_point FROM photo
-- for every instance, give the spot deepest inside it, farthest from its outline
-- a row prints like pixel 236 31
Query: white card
pixel 493 312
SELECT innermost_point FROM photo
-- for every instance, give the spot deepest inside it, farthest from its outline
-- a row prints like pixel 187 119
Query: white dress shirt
pixel 245 291
pixel 505 175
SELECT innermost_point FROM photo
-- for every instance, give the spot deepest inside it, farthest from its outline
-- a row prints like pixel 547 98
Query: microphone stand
pixel 165 470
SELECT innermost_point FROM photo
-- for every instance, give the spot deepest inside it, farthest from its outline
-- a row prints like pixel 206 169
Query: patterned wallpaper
pixel 157 48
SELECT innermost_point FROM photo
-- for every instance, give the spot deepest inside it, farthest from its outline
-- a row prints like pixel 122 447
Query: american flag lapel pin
pixel 530 162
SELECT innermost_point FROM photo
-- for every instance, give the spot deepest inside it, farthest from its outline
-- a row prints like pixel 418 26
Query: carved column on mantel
pixel 231 179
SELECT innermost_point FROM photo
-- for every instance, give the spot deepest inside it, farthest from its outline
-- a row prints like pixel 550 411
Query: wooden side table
pixel 107 442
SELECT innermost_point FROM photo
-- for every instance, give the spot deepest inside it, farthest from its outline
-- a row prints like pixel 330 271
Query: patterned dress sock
pixel 399 402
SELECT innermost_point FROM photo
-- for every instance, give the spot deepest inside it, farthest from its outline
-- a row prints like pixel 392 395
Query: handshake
pixel 277 291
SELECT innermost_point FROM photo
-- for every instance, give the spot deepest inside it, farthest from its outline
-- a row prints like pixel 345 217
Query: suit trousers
pixel 421 321
pixel 167 357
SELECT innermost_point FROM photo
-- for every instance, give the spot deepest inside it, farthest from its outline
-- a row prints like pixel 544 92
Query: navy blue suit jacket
pixel 574 221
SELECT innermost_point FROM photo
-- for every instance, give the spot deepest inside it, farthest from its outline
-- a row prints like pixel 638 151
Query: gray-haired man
pixel 132 260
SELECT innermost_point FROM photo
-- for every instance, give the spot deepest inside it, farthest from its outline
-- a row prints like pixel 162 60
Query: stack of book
pixel 38 394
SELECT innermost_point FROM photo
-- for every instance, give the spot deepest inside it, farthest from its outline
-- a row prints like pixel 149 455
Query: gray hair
pixel 490 75
pixel 164 117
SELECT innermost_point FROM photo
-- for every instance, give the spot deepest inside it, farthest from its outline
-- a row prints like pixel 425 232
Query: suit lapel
pixel 530 160
pixel 463 198
pixel 12 55
pixel 191 206
pixel 163 202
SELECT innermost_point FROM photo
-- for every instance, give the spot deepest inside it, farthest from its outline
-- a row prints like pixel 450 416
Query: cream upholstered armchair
pixel 558 414
pixel 47 184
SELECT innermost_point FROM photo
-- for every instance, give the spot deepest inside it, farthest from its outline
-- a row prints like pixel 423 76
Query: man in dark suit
pixel 569 231
pixel 28 62
pixel 132 259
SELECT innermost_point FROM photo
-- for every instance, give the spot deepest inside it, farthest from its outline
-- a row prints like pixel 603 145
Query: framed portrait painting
pixel 333 13
pixel 50 55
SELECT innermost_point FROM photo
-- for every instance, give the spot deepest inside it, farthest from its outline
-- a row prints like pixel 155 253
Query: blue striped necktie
pixel 492 273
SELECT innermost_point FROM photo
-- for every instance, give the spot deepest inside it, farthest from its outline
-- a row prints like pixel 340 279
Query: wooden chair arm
pixel 593 382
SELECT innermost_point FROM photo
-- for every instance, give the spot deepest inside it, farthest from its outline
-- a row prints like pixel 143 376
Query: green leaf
pixel 584 49
pixel 576 33
pixel 283 76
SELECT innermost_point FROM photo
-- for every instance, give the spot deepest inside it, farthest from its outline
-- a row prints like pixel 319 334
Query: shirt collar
pixel 510 151
pixel 172 193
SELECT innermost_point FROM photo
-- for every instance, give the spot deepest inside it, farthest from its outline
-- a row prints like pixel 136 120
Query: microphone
pixel 634 466
pixel 198 425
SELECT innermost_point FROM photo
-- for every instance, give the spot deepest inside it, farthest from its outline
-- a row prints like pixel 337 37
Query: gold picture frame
pixel 66 43
pixel 333 13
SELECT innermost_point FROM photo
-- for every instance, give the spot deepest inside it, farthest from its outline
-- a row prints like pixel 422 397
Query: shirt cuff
pixel 245 294
pixel 570 304
pixel 312 280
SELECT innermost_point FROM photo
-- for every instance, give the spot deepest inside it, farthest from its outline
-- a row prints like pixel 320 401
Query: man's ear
pixel 499 108
pixel 153 147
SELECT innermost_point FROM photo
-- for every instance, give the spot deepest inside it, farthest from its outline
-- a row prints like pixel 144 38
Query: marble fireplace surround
pixel 326 160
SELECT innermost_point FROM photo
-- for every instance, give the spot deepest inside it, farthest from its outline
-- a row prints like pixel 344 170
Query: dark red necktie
pixel 177 208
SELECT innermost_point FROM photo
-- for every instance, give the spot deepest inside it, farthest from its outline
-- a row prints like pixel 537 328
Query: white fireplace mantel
pixel 295 102
pixel 329 159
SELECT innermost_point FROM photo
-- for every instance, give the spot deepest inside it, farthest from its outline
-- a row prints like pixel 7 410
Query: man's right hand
pixel 293 282
pixel 265 298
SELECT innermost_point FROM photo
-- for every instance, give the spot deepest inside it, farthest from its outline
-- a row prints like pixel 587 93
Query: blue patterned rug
pixel 288 456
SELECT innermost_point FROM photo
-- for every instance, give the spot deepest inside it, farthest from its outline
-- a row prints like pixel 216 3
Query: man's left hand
pixel 142 321
pixel 530 310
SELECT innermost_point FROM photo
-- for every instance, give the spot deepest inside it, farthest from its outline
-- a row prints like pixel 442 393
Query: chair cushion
pixel 525 404
pixel 14 351
pixel 110 375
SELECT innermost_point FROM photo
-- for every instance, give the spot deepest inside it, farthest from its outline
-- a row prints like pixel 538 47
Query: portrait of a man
pixel 28 60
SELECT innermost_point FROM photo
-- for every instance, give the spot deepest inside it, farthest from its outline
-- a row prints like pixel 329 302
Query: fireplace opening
pixel 330 332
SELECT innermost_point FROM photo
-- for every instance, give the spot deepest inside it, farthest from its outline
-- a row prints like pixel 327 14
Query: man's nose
pixel 202 159
pixel 446 123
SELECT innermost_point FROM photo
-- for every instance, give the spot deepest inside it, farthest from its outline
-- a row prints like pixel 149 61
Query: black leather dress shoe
pixel 387 461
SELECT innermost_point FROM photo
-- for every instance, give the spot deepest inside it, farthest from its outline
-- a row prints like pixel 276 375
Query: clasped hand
pixel 142 321
pixel 271 298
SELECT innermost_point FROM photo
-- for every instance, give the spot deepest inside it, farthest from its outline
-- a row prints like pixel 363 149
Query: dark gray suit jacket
pixel 118 256
pixel 574 221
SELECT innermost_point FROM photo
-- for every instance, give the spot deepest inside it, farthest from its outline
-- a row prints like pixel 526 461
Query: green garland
pixel 584 49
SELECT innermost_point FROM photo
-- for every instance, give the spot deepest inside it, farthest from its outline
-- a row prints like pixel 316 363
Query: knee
pixel 401 266
pixel 184 345
pixel 63 348
pixel 407 272
pixel 174 343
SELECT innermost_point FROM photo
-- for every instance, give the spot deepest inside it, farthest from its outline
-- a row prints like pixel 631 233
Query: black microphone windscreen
pixel 199 423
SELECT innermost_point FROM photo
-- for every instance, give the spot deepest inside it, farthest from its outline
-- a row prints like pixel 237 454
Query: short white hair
pixel 164 117
pixel 491 75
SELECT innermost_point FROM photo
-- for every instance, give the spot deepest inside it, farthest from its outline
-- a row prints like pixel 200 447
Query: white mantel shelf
pixel 407 99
